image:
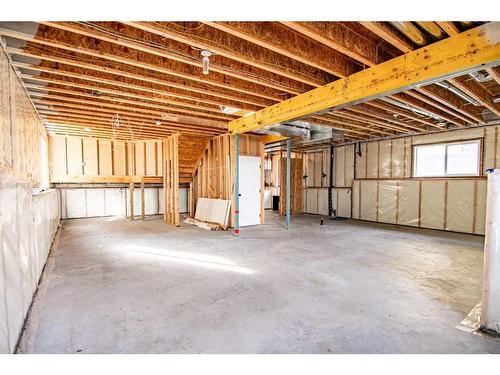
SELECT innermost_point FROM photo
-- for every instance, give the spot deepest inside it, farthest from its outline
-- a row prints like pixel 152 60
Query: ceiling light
pixel 95 93
pixel 158 122
pixel 87 129
pixel 205 60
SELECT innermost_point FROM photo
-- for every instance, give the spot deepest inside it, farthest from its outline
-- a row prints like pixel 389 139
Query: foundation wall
pixel 375 180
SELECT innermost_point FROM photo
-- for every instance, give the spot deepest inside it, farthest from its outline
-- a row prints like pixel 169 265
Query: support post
pixel 236 185
pixel 131 201
pixel 143 203
pixel 288 178
pixel 490 307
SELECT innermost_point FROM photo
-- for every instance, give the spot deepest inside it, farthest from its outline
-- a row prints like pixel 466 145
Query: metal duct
pixel 412 109
pixel 481 77
pixel 458 93
pixel 303 132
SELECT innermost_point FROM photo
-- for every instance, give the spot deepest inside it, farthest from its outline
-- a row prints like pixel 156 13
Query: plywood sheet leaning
pixel 214 212
pixel 171 179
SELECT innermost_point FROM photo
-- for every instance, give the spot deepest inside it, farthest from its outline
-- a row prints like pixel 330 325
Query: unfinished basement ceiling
pixel 144 80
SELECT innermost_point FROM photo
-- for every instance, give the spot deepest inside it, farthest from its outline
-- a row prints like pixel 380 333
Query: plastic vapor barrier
pixel 27 227
pixel 447 204
pixel 100 202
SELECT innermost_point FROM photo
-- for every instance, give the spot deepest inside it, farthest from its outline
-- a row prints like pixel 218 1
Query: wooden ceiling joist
pixel 57 106
pixel 342 39
pixel 448 27
pixel 166 53
pixel 438 61
pixel 89 72
pixel 213 79
pixel 95 88
pixel 270 35
pixel 214 98
pixel 90 89
pixel 130 127
pixel 126 120
pixel 477 92
pixel 223 44
pixel 103 100
pixel 98 103
pixel 495 73
pixel 385 32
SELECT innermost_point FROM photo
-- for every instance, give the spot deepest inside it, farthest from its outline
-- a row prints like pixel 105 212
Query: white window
pixel 447 159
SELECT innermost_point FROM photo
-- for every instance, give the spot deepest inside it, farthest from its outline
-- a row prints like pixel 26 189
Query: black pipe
pixel 331 212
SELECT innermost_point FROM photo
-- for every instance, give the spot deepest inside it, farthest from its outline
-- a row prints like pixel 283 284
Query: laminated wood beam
pixel 208 38
pixel 478 47
pixel 328 32
pixel 383 31
pixel 277 38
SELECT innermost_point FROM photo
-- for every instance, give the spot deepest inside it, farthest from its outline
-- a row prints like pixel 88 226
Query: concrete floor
pixel 114 286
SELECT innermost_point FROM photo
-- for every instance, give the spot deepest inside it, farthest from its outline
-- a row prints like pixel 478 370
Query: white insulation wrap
pixel 490 314
pixel 101 202
pixel 27 227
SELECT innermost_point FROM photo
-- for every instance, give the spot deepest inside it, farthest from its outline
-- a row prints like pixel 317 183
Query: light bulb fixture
pixel 87 129
pixel 158 122
pixel 206 60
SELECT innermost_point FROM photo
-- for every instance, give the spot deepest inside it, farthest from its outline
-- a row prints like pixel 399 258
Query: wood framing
pixel 441 60
pixel 171 180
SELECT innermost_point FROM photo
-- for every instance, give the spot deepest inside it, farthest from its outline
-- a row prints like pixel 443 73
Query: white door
pixel 249 190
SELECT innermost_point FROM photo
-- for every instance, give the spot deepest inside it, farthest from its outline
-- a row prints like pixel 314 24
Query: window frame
pixel 479 174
